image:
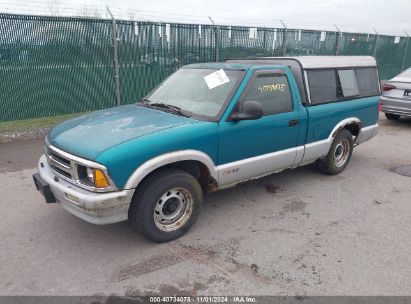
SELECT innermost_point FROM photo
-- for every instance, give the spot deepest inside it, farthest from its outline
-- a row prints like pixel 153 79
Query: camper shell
pixel 301 65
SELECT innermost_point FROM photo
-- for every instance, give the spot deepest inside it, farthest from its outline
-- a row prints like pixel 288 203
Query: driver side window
pixel 272 91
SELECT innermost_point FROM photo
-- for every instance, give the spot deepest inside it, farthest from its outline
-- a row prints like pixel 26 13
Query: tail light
pixel 388 87
pixel 379 106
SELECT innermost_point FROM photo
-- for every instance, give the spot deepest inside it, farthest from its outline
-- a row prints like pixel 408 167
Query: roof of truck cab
pixel 313 62
pixel 226 66
pixel 219 65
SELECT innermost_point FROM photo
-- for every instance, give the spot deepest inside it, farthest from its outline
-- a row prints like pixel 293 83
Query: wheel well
pixel 354 128
pixel 196 169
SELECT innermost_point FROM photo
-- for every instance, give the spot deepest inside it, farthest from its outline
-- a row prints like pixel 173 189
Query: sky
pixel 386 17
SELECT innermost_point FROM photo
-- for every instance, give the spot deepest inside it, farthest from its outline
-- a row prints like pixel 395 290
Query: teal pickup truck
pixel 207 127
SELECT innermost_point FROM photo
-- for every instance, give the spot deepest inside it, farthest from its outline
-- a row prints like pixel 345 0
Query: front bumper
pixel 96 208
pixel 396 106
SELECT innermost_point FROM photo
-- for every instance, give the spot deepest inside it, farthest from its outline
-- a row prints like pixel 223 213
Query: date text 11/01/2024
pixel 203 299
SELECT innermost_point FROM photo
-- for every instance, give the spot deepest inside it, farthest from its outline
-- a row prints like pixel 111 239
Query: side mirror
pixel 250 110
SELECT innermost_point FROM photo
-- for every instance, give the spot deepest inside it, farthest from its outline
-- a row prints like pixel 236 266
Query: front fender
pixel 168 158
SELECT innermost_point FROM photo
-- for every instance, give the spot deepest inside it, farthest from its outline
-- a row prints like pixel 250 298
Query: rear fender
pixel 319 149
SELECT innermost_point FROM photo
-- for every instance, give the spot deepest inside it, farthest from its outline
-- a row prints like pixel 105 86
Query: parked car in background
pixel 207 127
pixel 396 96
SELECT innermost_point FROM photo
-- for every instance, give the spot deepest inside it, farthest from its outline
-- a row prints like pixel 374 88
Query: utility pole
pixel 116 40
pixel 337 40
pixel 217 39
pixel 405 51
pixel 375 42
pixel 284 38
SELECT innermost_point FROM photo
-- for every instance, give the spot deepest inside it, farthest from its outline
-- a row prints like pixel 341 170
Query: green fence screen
pixel 58 65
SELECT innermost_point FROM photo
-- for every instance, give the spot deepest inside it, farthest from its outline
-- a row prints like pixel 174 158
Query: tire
pixel 339 154
pixel 166 204
pixel 391 116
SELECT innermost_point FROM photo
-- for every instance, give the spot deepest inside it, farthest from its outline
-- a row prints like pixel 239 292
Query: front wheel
pixel 339 154
pixel 166 205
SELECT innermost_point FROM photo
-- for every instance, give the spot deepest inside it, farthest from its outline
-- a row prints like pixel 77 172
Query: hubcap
pixel 173 209
pixel 341 152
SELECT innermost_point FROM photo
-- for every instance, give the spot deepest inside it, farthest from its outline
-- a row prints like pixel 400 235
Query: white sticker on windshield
pixel 216 79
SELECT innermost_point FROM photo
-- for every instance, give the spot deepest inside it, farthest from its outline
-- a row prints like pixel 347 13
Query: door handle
pixel 293 122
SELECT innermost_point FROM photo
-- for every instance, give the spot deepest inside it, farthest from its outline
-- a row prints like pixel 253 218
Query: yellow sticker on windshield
pixel 216 79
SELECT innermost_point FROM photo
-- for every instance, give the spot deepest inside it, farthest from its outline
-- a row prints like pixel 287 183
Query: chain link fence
pixel 59 65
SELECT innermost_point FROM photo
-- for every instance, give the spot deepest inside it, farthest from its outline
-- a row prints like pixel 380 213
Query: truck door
pixel 251 148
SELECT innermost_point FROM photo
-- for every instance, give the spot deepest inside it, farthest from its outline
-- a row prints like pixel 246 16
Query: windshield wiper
pixel 144 102
pixel 174 109
pixel 171 108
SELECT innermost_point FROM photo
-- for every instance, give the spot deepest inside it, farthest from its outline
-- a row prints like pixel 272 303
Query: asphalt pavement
pixel 298 232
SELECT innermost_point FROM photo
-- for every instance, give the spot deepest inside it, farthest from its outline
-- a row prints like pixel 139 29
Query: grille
pixel 59 164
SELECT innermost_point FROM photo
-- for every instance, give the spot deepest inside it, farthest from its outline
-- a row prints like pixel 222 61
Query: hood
pixel 87 136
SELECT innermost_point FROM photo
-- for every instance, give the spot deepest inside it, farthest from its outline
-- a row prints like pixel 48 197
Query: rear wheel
pixel 166 205
pixel 391 116
pixel 339 154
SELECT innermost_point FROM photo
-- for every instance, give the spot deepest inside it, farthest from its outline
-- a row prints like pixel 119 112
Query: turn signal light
pixel 100 179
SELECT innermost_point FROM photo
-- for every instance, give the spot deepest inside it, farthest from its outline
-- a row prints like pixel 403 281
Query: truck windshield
pixel 198 92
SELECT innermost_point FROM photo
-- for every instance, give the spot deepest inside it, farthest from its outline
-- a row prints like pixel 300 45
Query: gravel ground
pixel 294 233
pixel 11 137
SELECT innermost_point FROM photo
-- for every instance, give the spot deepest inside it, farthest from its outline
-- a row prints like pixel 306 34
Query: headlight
pixel 92 177
pixel 90 174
